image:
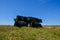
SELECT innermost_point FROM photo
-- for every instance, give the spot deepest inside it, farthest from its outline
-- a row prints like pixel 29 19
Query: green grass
pixel 28 33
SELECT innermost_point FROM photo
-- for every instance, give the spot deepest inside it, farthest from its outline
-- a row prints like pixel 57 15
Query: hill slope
pixel 28 33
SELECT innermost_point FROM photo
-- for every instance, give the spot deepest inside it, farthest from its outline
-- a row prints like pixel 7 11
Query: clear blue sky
pixel 47 10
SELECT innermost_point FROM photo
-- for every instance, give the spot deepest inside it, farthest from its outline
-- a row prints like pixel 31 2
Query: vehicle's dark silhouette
pixel 27 21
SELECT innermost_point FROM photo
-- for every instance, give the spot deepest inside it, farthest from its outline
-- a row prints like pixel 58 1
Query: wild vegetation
pixel 28 33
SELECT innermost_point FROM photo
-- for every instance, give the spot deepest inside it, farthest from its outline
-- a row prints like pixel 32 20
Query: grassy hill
pixel 28 33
